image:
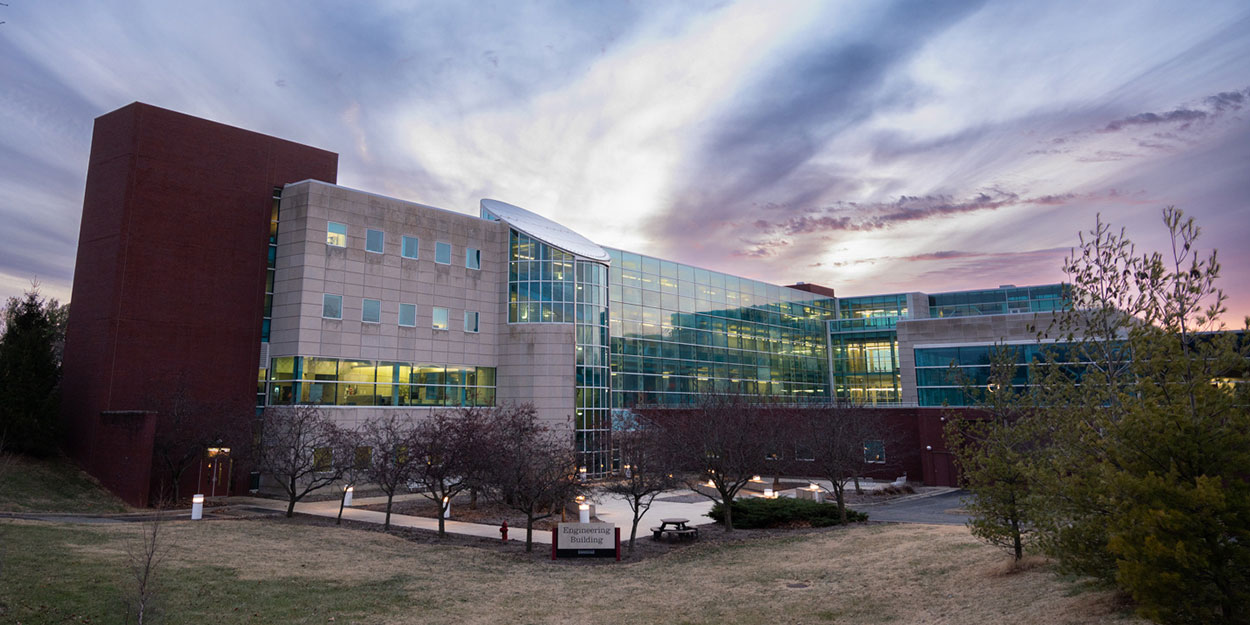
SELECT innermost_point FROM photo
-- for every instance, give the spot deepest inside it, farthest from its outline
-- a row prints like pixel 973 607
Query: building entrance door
pixel 215 472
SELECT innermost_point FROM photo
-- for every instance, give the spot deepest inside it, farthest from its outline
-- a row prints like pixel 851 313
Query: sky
pixel 872 147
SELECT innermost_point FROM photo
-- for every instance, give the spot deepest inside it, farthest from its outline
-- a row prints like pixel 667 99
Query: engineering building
pixel 230 266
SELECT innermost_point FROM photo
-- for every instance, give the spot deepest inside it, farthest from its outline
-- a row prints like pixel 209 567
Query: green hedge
pixel 758 512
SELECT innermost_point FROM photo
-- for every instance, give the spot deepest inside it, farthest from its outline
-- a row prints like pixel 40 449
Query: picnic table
pixel 674 528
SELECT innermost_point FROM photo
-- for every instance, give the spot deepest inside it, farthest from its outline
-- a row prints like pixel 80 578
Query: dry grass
pixel 51 485
pixel 867 574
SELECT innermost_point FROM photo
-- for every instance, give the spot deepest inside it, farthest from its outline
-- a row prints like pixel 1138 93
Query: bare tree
pixel 449 456
pixel 835 438
pixel 647 469
pixel 355 458
pixel 297 451
pixel 721 442
pixel 186 426
pixel 392 457
pixel 532 467
pixel 145 554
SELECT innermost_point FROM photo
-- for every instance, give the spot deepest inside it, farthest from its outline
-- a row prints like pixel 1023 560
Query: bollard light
pixel 768 493
pixel 197 507
pixel 583 512
pixel 582 472
pixel 756 478
pixel 347 495
pixel 628 472
pixel 814 486
pixel 711 483
pixel 446 508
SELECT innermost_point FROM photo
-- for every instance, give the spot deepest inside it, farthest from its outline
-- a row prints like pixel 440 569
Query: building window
pixel 440 318
pixel 371 311
pixel 336 234
pixel 442 253
pixel 470 321
pixel 408 315
pixel 364 457
pixel 874 451
pixel 332 306
pixel 375 241
pixel 409 248
pixel 473 258
pixel 323 459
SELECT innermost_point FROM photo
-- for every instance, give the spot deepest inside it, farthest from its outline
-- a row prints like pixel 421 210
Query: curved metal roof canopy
pixel 543 229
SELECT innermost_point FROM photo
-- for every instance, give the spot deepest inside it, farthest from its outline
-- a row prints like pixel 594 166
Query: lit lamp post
pixel 197 507
pixel 446 508
pixel 583 513
pixel 347 495
pixel 581 472
pixel 628 471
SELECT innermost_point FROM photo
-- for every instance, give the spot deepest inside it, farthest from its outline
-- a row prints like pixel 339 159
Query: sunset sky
pixel 872 147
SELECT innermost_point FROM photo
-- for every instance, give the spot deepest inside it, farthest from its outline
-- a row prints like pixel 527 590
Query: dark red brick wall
pixel 169 279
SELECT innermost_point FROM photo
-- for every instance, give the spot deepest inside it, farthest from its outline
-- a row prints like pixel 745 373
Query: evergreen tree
pixel 30 373
pixel 1144 445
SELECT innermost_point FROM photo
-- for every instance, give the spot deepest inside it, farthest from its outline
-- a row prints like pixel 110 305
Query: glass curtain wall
pixel 864 348
pixel 945 374
pixel 1001 301
pixel 678 331
pixel 549 285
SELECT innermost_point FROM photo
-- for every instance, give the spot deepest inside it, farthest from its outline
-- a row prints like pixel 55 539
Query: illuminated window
pixel 409 249
pixel 336 234
pixel 370 311
pixel 323 459
pixel 408 315
pixel 473 258
pixel 470 321
pixel 440 318
pixel 332 306
pixel 375 241
pixel 442 253
pixel 874 451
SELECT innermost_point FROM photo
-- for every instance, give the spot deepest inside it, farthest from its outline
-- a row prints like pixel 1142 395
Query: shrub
pixel 758 512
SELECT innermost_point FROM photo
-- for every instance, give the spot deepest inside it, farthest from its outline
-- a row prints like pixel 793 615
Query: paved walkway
pixel 608 508
pixel 936 509
pixel 330 509
pixel 929 508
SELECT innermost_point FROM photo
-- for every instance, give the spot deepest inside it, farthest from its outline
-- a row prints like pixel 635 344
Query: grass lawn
pixel 51 485
pixel 278 571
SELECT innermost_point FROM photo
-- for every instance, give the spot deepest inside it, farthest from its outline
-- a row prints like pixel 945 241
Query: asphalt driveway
pixel 935 510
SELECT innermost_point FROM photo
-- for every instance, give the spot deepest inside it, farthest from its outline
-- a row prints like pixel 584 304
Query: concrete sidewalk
pixel 330 509
pixel 608 508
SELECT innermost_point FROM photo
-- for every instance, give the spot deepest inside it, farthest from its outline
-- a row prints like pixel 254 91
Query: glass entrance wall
pixel 549 285
pixel 678 331
pixel 863 347
pixel 592 412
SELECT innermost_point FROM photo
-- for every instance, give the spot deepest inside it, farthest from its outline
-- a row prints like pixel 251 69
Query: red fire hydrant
pixel 503 531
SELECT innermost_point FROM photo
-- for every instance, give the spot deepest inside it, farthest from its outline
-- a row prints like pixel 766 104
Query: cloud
pixel 761 148
pixel 1143 119
pixel 880 216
